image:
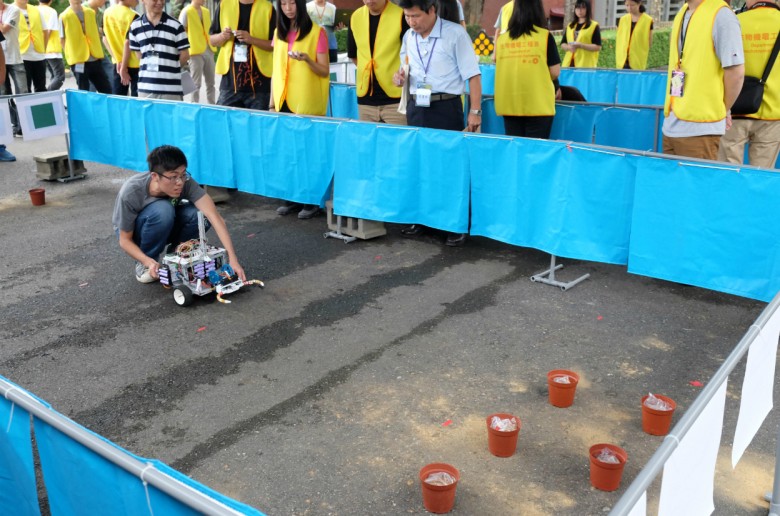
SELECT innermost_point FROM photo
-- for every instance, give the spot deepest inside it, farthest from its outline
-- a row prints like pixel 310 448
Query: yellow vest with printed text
pixel 197 30
pixel 506 12
pixel 78 45
pixel 259 20
pixel 116 22
pixel 634 46
pixel 759 30
pixel 387 47
pixel 293 81
pixel 53 46
pixel 523 84
pixel 583 58
pixel 32 32
pixel 703 90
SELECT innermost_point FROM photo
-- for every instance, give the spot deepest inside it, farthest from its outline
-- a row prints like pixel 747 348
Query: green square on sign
pixel 43 116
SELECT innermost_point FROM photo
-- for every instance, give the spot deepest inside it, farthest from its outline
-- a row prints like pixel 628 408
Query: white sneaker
pixel 142 273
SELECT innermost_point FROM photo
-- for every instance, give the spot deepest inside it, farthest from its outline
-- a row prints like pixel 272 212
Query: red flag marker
pixel 447 423
pixel 599 318
pixel 202 328
pixel 696 383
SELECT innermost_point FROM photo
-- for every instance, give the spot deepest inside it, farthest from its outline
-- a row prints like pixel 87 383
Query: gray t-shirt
pixel 134 197
pixel 727 37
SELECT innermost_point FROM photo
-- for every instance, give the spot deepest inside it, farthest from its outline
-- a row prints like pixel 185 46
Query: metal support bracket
pixel 72 176
pixel 338 234
pixel 548 276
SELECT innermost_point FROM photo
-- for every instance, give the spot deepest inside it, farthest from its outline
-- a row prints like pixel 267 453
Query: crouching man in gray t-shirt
pixel 149 214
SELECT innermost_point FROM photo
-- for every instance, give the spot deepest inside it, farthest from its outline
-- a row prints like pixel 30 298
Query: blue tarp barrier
pixel 342 102
pixel 706 226
pixel 17 476
pixel 79 481
pixel 640 88
pixel 575 123
pixel 567 201
pixel 628 128
pixel 402 174
pixel 595 85
pixel 115 133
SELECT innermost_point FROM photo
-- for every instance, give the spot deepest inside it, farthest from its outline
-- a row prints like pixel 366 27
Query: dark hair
pixel 424 5
pixel 47 2
pixel 588 14
pixel 448 10
pixel 166 158
pixel 302 21
pixel 525 14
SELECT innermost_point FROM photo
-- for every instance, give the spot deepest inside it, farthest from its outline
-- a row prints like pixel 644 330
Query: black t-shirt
pixel 248 77
pixel 379 98
pixel 596 34
pixel 627 66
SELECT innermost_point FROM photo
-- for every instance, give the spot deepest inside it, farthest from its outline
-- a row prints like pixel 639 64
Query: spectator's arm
pixel 475 102
pixel 184 57
pixel 733 77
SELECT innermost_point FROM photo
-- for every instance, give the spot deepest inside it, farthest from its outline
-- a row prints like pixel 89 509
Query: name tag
pixel 153 63
pixel 240 53
pixel 422 97
pixel 677 84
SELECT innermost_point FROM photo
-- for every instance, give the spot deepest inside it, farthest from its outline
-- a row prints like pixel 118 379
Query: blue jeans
pixel 162 223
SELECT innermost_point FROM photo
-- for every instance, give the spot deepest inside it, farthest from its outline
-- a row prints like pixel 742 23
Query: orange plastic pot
pixel 438 499
pixel 562 394
pixel 604 475
pixel 502 444
pixel 38 196
pixel 654 421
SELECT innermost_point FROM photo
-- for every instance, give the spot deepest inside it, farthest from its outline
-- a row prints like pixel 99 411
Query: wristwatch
pixel 477 112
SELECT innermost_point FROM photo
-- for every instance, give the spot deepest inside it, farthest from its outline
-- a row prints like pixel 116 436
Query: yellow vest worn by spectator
pixel 387 46
pixel 759 30
pixel 197 30
pixel 506 13
pixel 583 58
pixel 116 22
pixel 258 28
pixel 78 45
pixel 523 84
pixel 633 45
pixel 32 33
pixel 703 91
pixel 293 81
pixel 54 46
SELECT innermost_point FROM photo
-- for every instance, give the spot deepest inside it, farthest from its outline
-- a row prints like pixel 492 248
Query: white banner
pixel 42 115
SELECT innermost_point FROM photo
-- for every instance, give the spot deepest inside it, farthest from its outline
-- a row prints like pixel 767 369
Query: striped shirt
pixel 159 46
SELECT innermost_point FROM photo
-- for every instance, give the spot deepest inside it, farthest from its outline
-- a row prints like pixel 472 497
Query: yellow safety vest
pixel 523 84
pixel 506 12
pixel 78 45
pixel 703 91
pixel 759 30
pixel 584 58
pixel 387 46
pixel 116 22
pixel 634 46
pixel 258 28
pixel 54 46
pixel 197 31
pixel 293 81
pixel 32 33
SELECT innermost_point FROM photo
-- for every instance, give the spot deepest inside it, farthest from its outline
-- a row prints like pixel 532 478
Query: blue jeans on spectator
pixel 162 223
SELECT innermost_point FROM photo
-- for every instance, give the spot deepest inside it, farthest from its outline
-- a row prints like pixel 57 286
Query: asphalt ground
pixel 327 391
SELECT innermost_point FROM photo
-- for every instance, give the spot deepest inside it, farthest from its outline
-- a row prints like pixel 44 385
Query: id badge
pixel 422 97
pixel 153 65
pixel 79 68
pixel 677 84
pixel 240 53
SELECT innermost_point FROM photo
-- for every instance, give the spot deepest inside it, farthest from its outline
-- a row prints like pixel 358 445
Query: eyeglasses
pixel 178 179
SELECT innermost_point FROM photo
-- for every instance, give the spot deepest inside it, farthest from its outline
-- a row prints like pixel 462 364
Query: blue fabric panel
pixel 206 164
pixel 646 88
pixel 283 156
pixel 575 122
pixel 107 129
pixel 595 85
pixel 171 123
pixel 570 202
pixel 629 128
pixel 491 122
pixel 18 494
pixel 403 175
pixel 697 225
pixel 342 102
pixel 488 78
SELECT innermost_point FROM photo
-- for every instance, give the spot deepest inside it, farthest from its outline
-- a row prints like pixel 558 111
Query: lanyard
pixel 155 31
pixel 684 32
pixel 433 47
